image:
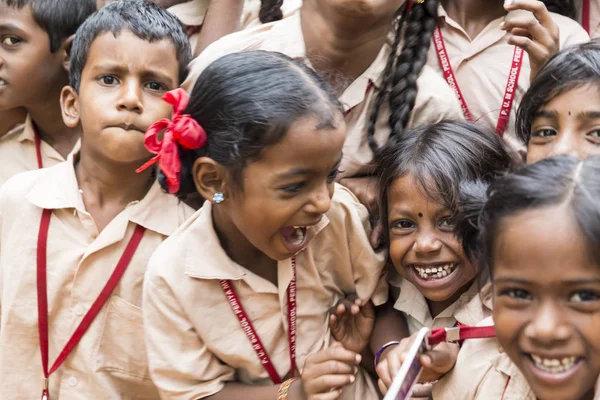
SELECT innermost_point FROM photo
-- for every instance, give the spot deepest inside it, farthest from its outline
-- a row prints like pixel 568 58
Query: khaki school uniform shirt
pixel 470 308
pixel 17 152
pixel 435 100
pixel 110 360
pixel 594 16
pixel 483 372
pixel 191 14
pixel 195 342
pixel 482 64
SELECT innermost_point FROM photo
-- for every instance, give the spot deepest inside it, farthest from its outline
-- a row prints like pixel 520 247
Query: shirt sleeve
pixel 181 364
pixel 570 31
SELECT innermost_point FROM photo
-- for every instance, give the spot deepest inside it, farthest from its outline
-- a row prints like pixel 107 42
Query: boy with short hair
pixel 36 37
pixel 78 236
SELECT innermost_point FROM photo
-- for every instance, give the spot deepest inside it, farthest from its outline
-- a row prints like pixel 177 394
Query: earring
pixel 218 198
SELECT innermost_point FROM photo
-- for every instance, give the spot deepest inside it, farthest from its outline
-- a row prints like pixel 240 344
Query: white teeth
pixel 299 236
pixel 554 365
pixel 435 272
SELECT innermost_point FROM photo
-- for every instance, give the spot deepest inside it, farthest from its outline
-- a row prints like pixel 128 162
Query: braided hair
pixel 270 11
pixel 399 85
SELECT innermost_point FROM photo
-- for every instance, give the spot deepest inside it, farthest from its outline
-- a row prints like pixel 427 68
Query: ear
pixel 66 52
pixel 69 104
pixel 210 178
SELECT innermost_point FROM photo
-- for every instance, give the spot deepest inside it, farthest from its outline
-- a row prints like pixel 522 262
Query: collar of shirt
pixel 216 264
pixel 467 310
pixel 57 188
pixel 517 387
pixel 489 36
pixel 28 132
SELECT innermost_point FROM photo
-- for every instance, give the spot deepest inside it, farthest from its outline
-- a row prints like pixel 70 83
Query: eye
pixel 583 296
pixel 595 136
pixel 403 224
pixel 108 80
pixel 295 188
pixel 10 40
pixel 517 294
pixel 331 177
pixel 156 86
pixel 447 223
pixel 543 133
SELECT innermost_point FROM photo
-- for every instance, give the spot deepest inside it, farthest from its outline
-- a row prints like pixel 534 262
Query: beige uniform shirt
pixel 594 16
pixel 435 100
pixel 110 360
pixel 17 152
pixel 470 308
pixel 191 14
pixel 195 342
pixel 483 372
pixel 482 64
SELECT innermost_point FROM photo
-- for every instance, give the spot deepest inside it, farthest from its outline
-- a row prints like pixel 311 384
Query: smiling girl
pixel 420 175
pixel 237 301
pixel 538 235
pixel 560 113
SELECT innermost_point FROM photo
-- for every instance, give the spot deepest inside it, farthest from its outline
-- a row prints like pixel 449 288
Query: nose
pixel 548 325
pixel 566 144
pixel 131 97
pixel 427 242
pixel 320 200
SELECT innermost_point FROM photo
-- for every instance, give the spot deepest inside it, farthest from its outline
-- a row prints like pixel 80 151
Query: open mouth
pixel 555 365
pixel 294 237
pixel 434 272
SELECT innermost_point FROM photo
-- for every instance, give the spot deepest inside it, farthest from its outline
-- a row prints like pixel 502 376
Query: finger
pixel 332 367
pixel 533 29
pixel 394 364
pixel 383 372
pixel 537 54
pixel 538 9
pixel 422 390
pixel 327 396
pixel 324 383
pixel 336 352
pixel 382 387
pixel 442 358
pixel 520 32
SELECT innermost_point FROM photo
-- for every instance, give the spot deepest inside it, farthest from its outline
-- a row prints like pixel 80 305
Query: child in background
pixel 474 49
pixel 35 38
pixel 560 113
pixel 420 173
pixel 78 236
pixel 538 235
pixel 373 54
pixel 275 246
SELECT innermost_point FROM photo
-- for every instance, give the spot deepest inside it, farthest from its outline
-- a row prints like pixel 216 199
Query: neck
pixel 338 46
pixel 436 307
pixel 47 117
pixel 474 15
pixel 239 249
pixel 10 118
pixel 107 184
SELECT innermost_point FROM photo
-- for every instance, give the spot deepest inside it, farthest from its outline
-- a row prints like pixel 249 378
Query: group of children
pixel 268 200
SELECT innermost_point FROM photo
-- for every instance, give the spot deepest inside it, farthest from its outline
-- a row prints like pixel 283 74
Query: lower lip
pixel 433 283
pixel 292 247
pixel 549 378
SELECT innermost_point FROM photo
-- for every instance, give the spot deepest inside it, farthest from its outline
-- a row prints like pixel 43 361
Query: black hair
pixel 439 157
pixel 58 18
pixel 270 11
pixel 563 7
pixel 399 84
pixel 569 69
pixel 145 20
pixel 561 180
pixel 246 102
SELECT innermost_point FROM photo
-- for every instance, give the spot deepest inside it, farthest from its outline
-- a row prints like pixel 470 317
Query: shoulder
pixel 435 99
pixel 14 192
pixel 570 31
pixel 345 205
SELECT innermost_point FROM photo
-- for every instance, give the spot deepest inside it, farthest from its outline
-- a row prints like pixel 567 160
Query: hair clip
pixel 180 129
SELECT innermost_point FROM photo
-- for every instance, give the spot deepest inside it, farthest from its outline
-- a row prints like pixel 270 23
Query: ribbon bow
pixel 182 130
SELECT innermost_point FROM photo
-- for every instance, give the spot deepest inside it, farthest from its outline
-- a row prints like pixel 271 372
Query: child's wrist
pixel 384 350
pixel 291 389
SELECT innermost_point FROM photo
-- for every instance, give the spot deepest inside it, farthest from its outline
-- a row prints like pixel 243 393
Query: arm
pixel 222 18
pixel 390 325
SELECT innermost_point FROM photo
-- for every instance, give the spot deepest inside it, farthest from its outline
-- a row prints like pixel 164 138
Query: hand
pixel 365 189
pixel 352 321
pixel 436 362
pixel 537 34
pixel 327 372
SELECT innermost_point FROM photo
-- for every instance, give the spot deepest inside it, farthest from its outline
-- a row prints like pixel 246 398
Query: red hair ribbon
pixel 182 130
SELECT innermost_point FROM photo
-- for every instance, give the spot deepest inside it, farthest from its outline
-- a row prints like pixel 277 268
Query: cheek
pixel 508 324
pixel 536 153
pixel 154 109
pixel 399 247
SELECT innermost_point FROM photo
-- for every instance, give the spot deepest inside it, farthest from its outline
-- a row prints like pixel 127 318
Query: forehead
pixel 19 20
pixel 408 193
pixel 578 99
pixel 304 146
pixel 544 243
pixel 129 51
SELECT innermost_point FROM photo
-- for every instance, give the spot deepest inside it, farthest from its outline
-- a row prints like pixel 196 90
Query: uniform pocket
pixel 121 347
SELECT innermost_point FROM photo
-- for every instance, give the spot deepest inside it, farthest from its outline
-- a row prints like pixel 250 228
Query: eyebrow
pixel 304 171
pixel 589 115
pixel 573 282
pixel 123 70
pixel 545 114
pixel 11 27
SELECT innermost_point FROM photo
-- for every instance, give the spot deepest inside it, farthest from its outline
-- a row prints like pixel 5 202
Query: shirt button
pixel 73 381
pixel 79 310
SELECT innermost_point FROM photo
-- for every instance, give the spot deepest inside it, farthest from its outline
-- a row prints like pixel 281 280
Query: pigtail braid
pixel 385 82
pixel 413 57
pixel 270 11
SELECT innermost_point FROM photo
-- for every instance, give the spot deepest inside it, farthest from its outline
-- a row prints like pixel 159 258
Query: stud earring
pixel 218 198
